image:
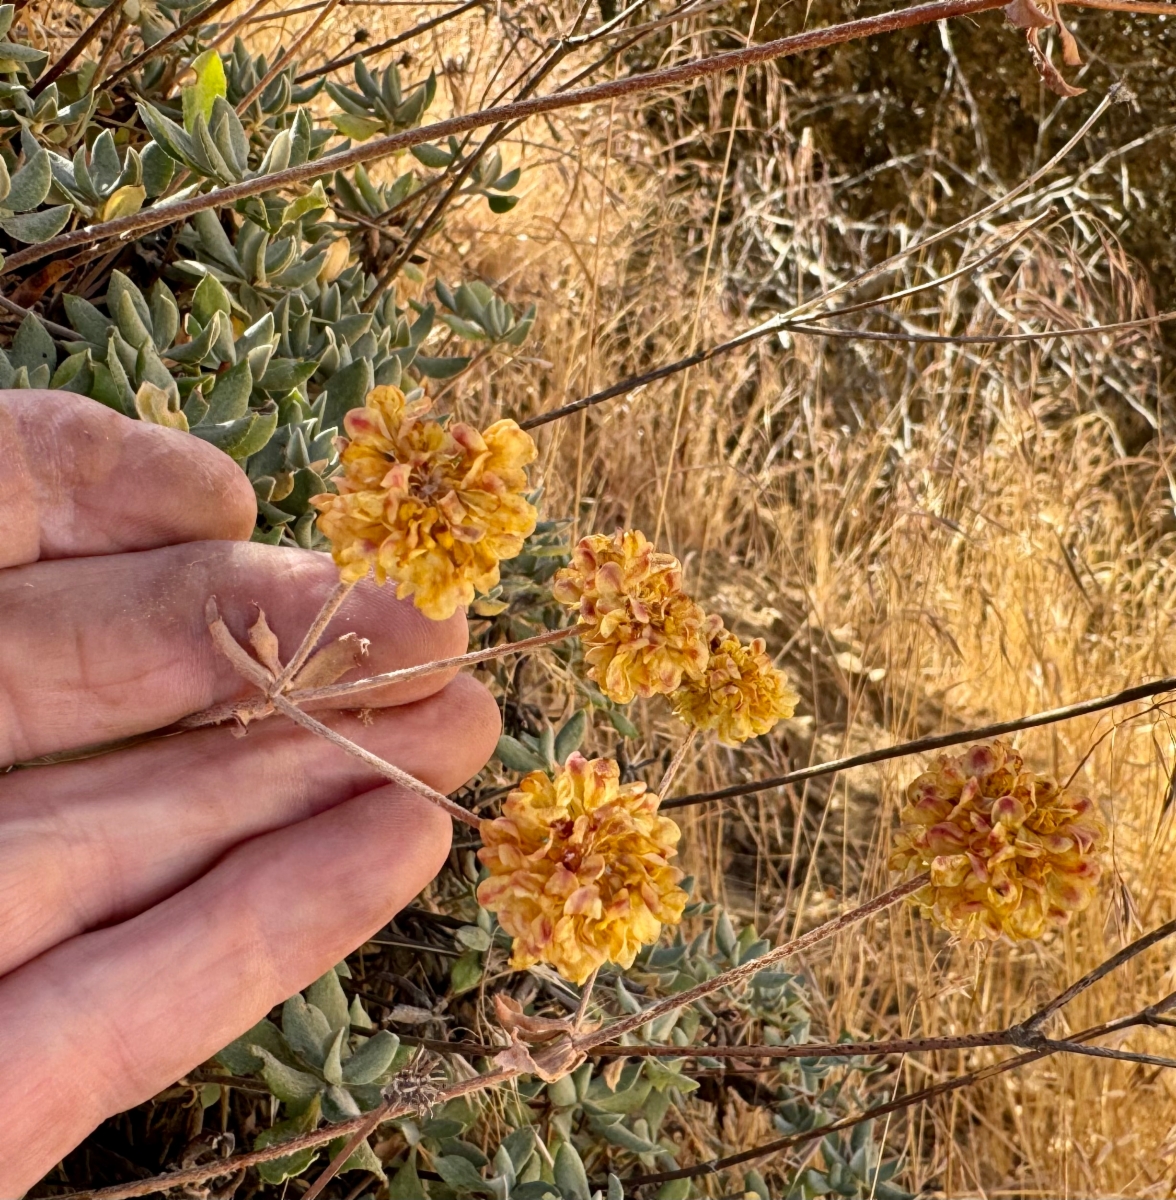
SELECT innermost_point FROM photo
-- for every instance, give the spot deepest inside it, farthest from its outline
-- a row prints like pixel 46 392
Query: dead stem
pixel 676 763
pixel 331 606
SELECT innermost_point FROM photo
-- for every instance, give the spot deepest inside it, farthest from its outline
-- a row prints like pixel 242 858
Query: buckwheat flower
pixel 740 695
pixel 432 507
pixel 641 633
pixel 1010 852
pixel 579 869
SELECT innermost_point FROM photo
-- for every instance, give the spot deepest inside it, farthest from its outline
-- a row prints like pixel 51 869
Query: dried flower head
pixel 432 507
pixel 740 695
pixel 1009 852
pixel 579 870
pixel 642 633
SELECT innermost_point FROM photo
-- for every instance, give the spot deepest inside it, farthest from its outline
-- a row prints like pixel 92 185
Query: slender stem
pixel 376 763
pixel 233 26
pixel 391 1109
pixel 676 763
pixel 181 31
pixel 347 59
pixel 937 741
pixel 67 60
pixel 256 707
pixel 632 85
pixel 768 328
pixel 285 59
pixel 745 971
pixel 334 690
pixel 331 606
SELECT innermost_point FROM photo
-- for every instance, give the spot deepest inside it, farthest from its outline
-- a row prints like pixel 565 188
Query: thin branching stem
pixel 347 59
pixel 632 85
pixel 75 50
pixel 775 326
pixel 938 741
pixel 181 31
pixel 331 606
pixel 255 708
pixel 1150 1016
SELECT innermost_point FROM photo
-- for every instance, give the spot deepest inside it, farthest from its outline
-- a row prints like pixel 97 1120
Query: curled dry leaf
pixel 1050 75
pixel 534 1030
pixel 265 644
pixel 550 1065
pixel 1070 53
pixel 332 662
pixel 1024 14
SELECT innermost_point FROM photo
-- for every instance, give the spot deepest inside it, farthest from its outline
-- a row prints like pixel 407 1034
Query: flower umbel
pixel 740 695
pixel 1009 852
pixel 641 632
pixel 579 870
pixel 432 507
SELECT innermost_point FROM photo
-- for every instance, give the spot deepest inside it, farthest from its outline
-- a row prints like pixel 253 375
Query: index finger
pixel 79 479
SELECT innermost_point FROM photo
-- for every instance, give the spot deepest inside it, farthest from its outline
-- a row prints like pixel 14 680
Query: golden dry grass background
pixel 928 537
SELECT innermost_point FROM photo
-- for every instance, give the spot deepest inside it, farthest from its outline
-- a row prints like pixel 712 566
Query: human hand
pixel 157 901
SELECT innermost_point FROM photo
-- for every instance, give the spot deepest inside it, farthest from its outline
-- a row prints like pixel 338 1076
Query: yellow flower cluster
pixel 641 632
pixel 740 694
pixel 432 507
pixel 643 636
pixel 579 870
pixel 1009 852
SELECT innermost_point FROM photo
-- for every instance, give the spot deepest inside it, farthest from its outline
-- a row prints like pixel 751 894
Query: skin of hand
pixel 158 900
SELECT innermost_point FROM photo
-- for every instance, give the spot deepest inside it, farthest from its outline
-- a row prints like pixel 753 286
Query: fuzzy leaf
pixel 326 994
pixel 440 368
pixel 123 202
pixel 569 1173
pixel 33 347
pixel 359 129
pixel 461 1174
pixel 431 156
pixel 30 185
pixel 238 1057
pixel 287 1083
pixel 370 1063
pixel 516 757
pixel 229 398
pixel 36 227
pixel 306 1029
pixel 200 96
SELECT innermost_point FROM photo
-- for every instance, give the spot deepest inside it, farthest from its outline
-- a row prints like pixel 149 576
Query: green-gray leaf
pixel 229 398
pixel 287 1083
pixel 237 1056
pixel 569 1172
pixel 460 1174
pixel 32 347
pixel 36 227
pixel 326 994
pixel 30 185
pixel 371 1061
pixel 516 757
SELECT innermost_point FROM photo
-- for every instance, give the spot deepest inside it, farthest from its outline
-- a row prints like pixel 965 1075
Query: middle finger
pixel 87 843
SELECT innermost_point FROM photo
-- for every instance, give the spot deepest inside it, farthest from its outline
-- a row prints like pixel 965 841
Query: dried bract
pixel 1010 852
pixel 740 695
pixel 432 507
pixel 579 869
pixel 642 633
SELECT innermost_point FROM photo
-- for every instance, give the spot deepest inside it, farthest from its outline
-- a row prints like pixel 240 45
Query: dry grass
pixel 929 537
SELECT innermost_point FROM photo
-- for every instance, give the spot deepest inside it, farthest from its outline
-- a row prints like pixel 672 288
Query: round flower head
pixel 643 633
pixel 579 871
pixel 432 507
pixel 740 695
pixel 1009 852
